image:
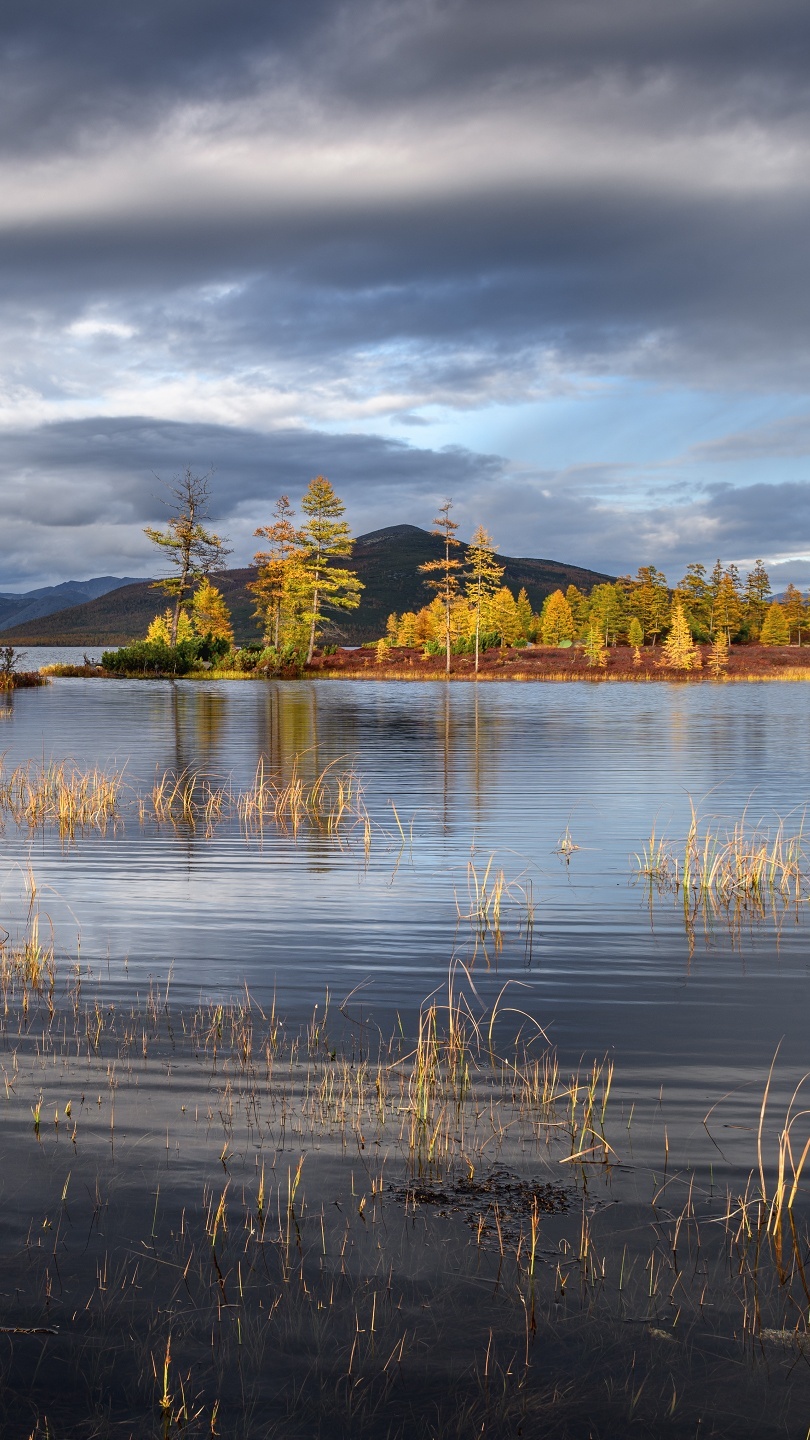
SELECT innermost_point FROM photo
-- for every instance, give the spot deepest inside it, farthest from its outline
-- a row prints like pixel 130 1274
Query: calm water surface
pixel 500 770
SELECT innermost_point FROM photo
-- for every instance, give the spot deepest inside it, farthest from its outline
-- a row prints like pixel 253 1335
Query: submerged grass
pixel 240 1228
pixel 60 794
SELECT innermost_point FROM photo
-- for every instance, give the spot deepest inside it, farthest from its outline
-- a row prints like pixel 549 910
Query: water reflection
pixel 473 772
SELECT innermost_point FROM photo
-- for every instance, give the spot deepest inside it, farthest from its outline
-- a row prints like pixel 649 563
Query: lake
pixel 556 786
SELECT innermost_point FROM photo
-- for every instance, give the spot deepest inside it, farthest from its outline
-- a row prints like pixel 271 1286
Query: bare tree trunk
pixel 181 594
pixel 315 599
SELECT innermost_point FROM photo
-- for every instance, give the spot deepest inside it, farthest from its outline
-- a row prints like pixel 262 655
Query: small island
pixel 473 625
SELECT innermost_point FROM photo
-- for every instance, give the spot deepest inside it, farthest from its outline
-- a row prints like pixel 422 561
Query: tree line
pixel 301 577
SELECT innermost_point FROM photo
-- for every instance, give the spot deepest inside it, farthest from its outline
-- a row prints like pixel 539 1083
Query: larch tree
pixel 607 610
pixel 160 629
pixel 502 616
pixel 775 626
pixel 679 649
pixel 649 600
pixel 558 620
pixel 525 613
pixel 695 597
pixel 757 590
pixel 446 569
pixel 272 586
pixel 210 614
pixel 190 548
pixel 718 656
pixel 795 611
pixel 322 538
pixel 483 578
pixel 635 638
pixel 728 610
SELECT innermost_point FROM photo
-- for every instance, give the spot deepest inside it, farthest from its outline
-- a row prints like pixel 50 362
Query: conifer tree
pixel 679 648
pixel 713 588
pixel 635 637
pixel 606 610
pixel 558 621
pixel 757 590
pixel 484 575
pixel 728 611
pixel 322 538
pixel 160 629
pixel 795 611
pixel 774 627
pixel 594 649
pixel 525 614
pixel 190 548
pixel 502 616
pixel 446 569
pixel 649 600
pixel 718 656
pixel 695 597
pixel 210 614
pixel 579 606
pixel 272 586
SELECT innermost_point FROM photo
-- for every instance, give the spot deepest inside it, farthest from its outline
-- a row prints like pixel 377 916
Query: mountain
pixel 386 561
pixel 18 609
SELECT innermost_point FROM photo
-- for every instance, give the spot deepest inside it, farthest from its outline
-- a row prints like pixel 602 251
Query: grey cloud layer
pixel 515 176
pixel 96 481
pixel 318 214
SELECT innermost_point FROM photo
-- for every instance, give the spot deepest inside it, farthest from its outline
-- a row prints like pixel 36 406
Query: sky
pixel 547 258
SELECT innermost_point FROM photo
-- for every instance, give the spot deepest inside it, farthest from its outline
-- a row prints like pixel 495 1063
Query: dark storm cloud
pixel 106 479
pixel 341 215
pixel 74 498
pixel 591 262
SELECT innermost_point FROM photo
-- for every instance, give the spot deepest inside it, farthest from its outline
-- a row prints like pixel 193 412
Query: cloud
pixel 74 497
pixel 256 231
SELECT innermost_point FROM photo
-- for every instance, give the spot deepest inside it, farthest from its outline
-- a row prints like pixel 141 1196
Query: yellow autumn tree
pixel 160 630
pixel 679 649
pixel 774 627
pixel 558 620
pixel 210 614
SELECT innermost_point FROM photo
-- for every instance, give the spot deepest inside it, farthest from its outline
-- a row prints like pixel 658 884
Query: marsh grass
pixel 242 1228
pixel 60 794
pixel 331 803
pixel 734 869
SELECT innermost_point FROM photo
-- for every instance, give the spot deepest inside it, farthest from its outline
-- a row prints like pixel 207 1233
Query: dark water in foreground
pixel 690 1013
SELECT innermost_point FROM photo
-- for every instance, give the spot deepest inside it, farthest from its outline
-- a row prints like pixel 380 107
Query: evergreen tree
pixel 210 614
pixel 322 538
pixel 190 548
pixel 774 627
pixel 446 569
pixel 558 621
pixel 679 648
pixel 483 578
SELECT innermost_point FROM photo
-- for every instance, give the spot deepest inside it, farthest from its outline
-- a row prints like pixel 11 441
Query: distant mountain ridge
pixel 18 609
pixel 387 561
